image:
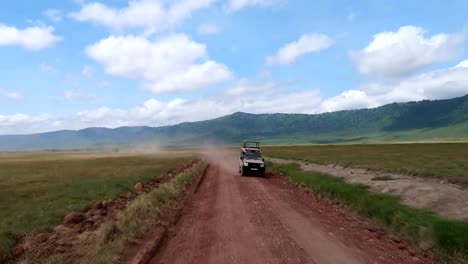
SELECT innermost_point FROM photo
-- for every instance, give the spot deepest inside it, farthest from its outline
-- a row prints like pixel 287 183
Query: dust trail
pixel 223 157
pixel 147 148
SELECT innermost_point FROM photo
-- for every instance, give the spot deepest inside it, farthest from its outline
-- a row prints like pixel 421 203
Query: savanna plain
pixel 39 189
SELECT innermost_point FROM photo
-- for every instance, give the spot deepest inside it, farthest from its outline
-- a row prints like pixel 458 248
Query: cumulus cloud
pixel 151 15
pixel 31 38
pixel 307 43
pixel 406 51
pixel 171 64
pixel 153 112
pixel 12 95
pixel 440 84
pixel 23 124
pixel 463 64
pixel 235 5
pixel 269 98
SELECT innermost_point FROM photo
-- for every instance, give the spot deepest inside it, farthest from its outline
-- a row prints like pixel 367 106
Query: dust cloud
pixel 225 157
pixel 143 149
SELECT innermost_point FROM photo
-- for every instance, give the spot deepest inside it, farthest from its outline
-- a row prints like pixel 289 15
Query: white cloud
pixel 12 95
pixel 351 99
pixel 406 51
pixel 307 43
pixel 441 84
pixel 31 38
pixel 171 64
pixel 463 64
pixel 54 15
pixel 268 97
pixel 153 112
pixel 151 15
pixel 47 68
pixel 208 28
pixel 183 9
pixel 76 96
pixel 235 5
pixel 87 71
pixel 23 124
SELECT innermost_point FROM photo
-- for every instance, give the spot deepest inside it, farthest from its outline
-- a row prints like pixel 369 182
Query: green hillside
pixel 414 121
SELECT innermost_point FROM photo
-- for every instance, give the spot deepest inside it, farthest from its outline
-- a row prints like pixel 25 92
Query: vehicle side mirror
pixel 263 159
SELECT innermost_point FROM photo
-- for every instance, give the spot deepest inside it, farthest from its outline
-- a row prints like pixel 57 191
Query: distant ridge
pixel 425 120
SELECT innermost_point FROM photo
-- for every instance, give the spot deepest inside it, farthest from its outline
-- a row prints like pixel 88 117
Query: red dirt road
pixel 233 219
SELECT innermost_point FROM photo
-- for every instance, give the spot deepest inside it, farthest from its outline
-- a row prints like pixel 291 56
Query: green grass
pixel 139 217
pixel 449 238
pixel 37 190
pixel 106 244
pixel 442 160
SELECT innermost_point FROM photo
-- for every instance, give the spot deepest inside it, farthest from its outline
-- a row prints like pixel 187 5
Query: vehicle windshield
pixel 253 156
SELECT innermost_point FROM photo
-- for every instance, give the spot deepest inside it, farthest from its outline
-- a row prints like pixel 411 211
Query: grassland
pixel 447 239
pixel 442 160
pixel 107 243
pixel 38 189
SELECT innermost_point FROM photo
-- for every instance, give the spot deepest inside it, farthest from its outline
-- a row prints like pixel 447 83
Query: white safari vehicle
pixel 250 160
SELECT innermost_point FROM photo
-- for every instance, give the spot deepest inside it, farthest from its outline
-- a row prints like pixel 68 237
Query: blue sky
pixel 75 64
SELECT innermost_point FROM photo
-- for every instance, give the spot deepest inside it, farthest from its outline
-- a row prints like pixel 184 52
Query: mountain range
pixel 414 121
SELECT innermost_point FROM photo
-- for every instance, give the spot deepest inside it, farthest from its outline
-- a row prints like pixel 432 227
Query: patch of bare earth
pixel 63 238
pixel 447 200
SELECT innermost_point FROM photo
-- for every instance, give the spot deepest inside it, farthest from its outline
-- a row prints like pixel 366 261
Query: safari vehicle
pixel 250 160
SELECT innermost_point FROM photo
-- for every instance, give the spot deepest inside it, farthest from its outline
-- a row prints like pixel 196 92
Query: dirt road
pixel 233 219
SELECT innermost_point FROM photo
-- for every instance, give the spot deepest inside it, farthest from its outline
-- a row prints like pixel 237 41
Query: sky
pixel 72 64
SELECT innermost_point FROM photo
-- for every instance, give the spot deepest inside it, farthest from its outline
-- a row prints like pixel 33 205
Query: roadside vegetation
pixel 442 160
pixel 37 190
pixel 106 244
pixel 446 239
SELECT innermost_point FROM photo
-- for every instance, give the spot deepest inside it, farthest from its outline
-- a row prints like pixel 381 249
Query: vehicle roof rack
pixel 251 144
